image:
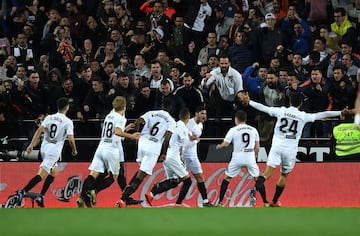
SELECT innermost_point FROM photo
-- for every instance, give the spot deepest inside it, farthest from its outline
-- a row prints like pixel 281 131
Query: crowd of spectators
pixel 91 51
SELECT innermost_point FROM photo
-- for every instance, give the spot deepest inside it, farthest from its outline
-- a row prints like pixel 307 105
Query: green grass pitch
pixel 181 221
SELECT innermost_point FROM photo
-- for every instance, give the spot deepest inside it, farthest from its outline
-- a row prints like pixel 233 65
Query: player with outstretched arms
pixel 287 133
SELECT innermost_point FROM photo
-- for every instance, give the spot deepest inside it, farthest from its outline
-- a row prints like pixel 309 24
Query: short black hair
pixel 341 67
pixel 122 74
pixel 184 113
pixel 241 115
pixel 199 108
pixel 296 99
pixel 144 84
pixel 167 104
pixel 61 103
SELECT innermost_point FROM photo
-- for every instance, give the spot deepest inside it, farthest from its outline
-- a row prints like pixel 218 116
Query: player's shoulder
pixel 69 121
pixel 250 127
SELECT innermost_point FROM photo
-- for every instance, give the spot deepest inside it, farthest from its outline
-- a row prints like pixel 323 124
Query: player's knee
pixel 284 175
pixel 199 177
pixel 282 180
pixel 141 175
pixel 227 178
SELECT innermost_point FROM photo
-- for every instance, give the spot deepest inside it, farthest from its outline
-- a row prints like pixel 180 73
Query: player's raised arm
pixel 261 107
pixel 245 100
pixel 326 114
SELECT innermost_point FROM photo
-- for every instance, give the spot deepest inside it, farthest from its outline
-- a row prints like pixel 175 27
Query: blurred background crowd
pixel 91 51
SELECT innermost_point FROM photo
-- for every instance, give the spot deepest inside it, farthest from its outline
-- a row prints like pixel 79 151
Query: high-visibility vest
pixel 347 138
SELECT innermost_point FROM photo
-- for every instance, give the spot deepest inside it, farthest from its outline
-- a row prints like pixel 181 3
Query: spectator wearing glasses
pixel 342 26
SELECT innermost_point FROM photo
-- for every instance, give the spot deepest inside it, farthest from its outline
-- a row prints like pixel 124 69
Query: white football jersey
pixel 195 129
pixel 178 139
pixel 157 122
pixel 108 137
pixel 243 137
pixel 57 128
pixel 290 122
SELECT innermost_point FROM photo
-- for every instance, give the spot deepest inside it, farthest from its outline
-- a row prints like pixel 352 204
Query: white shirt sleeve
pixel 325 114
pixel 261 107
pixel 210 80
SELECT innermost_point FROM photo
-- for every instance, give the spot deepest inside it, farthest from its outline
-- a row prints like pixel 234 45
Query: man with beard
pixel 222 22
pixel 273 89
pixel 228 83
pixel 188 95
pixel 273 96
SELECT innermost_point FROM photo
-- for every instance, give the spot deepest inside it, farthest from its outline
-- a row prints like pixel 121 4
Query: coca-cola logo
pixel 73 186
pixel 236 196
pixel 12 202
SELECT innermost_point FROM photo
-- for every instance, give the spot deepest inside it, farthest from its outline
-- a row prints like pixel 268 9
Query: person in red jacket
pixel 147 8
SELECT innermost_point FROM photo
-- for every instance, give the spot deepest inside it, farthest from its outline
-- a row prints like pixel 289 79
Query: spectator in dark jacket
pixel 31 101
pixel 318 98
pixel 340 88
pixel 188 95
pixel 240 53
pixel 144 101
pixel 269 40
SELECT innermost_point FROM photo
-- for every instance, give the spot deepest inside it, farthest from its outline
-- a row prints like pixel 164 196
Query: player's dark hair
pixel 296 99
pixel 241 115
pixel 61 103
pixel 167 104
pixel 184 113
pixel 199 108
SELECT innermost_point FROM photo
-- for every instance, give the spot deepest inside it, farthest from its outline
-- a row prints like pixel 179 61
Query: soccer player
pixel 56 129
pixel 190 155
pixel 287 132
pixel 153 144
pixel 107 153
pixel 104 180
pixel 246 146
pixel 173 165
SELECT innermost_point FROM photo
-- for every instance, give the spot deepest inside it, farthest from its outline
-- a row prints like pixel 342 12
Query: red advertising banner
pixel 309 185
